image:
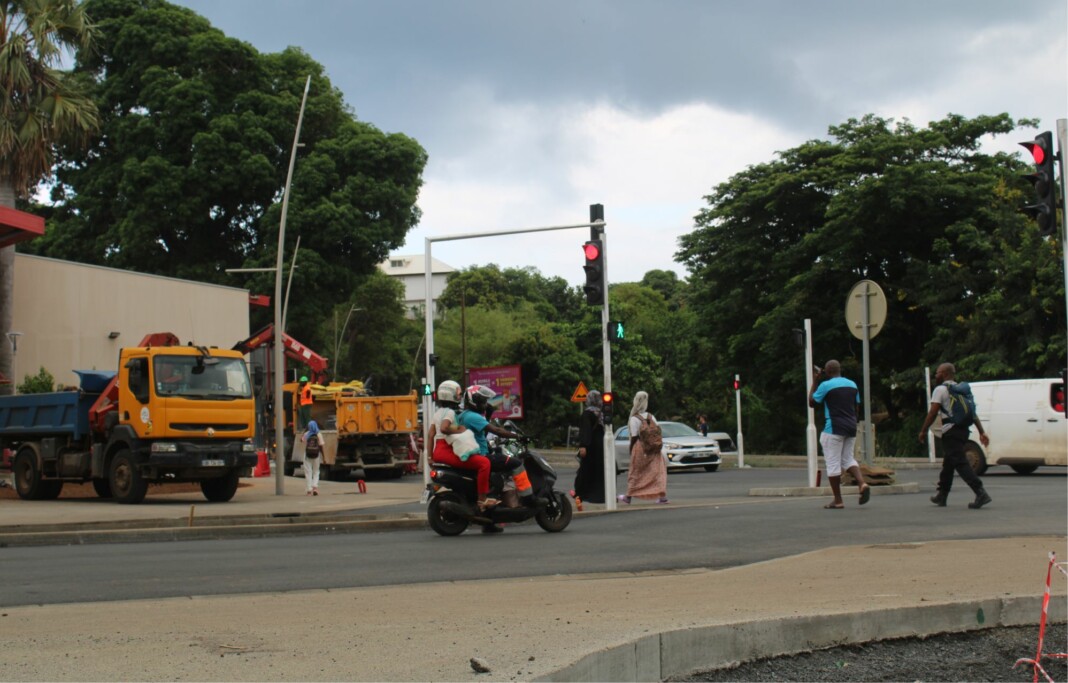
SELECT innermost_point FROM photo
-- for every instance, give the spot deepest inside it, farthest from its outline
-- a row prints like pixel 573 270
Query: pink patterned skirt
pixel 647 477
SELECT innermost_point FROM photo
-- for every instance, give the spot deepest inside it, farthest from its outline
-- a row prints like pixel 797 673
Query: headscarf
pixel 312 428
pixel 641 404
pixel 593 401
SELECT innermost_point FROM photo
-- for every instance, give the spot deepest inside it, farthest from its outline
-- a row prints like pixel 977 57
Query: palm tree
pixel 40 107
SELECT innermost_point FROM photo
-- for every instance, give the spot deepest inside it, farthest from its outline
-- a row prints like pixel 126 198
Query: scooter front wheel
pixel 557 515
pixel 442 521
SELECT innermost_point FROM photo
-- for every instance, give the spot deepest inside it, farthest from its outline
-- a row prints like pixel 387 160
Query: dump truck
pixel 170 413
pixel 362 432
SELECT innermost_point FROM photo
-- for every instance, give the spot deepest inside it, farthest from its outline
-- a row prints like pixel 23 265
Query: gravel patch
pixel 986 655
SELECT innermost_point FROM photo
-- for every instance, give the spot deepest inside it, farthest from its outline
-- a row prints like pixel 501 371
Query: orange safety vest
pixel 305 395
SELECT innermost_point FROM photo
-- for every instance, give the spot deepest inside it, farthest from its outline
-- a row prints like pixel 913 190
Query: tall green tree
pixel 921 211
pixel 41 107
pixel 187 175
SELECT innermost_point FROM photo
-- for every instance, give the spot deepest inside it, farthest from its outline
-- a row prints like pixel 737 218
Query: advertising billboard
pixel 506 381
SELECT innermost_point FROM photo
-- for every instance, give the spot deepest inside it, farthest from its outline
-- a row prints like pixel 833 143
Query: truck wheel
pixel 125 480
pixel 974 453
pixel 102 488
pixel 1024 469
pixel 221 489
pixel 28 482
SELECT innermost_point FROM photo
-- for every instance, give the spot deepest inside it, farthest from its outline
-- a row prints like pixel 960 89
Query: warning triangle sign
pixel 580 394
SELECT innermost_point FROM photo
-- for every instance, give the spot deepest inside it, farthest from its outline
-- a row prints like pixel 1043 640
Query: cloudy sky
pixel 532 111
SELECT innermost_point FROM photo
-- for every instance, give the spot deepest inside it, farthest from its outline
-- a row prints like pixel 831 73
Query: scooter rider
pixel 474 417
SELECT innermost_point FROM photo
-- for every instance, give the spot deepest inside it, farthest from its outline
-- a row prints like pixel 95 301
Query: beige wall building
pixel 74 316
pixel 411 271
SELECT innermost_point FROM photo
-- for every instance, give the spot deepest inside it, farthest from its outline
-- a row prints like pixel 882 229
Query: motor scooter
pixel 453 503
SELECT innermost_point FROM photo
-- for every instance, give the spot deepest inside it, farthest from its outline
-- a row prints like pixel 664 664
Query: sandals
pixel 623 498
pixel 834 506
pixel 488 503
pixel 865 494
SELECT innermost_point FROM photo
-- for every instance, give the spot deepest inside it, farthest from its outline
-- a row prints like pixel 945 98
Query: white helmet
pixel 449 391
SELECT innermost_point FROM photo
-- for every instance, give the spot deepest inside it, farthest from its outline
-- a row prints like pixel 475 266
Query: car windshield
pixel 191 377
pixel 676 429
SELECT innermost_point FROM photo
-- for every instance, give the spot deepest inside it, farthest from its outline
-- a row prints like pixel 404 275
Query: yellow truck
pixel 362 432
pixel 170 413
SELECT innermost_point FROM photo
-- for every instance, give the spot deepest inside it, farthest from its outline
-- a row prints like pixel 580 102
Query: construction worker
pixel 304 414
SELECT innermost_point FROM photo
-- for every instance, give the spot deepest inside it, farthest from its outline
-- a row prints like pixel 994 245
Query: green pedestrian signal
pixel 616 332
pixel 428 390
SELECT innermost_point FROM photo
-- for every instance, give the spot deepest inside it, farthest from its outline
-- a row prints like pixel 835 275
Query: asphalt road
pixel 729 529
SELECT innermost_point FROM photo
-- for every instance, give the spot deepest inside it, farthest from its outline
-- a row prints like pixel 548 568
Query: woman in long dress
pixel 647 477
pixel 589 480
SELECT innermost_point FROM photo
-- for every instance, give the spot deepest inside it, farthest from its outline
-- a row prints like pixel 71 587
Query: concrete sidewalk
pixel 606 627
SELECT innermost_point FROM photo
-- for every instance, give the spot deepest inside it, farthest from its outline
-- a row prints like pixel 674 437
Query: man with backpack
pixel 954 402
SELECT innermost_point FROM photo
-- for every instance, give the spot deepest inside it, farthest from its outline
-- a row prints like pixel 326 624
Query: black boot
pixel 981 499
pixel 939 499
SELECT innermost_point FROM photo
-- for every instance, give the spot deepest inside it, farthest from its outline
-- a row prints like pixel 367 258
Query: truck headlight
pixel 164 447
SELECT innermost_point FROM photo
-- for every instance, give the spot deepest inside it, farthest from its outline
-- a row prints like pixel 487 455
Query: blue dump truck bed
pixel 60 413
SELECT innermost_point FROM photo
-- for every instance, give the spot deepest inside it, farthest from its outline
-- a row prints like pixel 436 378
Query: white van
pixel 1026 423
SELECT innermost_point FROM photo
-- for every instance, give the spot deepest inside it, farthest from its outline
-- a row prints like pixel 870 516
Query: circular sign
pixel 865 294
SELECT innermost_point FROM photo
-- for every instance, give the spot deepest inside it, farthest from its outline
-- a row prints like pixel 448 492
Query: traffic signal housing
pixel 594 287
pixel 736 383
pixel 1044 210
pixel 608 399
pixel 616 332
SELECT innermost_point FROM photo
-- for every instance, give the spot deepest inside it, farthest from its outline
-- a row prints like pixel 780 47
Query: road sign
pixel 580 394
pixel 871 294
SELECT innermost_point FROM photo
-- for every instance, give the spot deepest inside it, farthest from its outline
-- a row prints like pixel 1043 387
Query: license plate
pixel 212 463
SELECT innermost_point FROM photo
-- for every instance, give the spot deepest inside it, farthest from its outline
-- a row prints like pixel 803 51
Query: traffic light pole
pixel 597 233
pixel 1062 141
pixel 738 405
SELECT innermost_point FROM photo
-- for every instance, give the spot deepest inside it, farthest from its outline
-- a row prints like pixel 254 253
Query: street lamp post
pixel 339 335
pixel 279 413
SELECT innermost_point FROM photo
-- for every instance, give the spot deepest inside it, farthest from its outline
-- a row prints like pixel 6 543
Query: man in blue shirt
pixel 840 398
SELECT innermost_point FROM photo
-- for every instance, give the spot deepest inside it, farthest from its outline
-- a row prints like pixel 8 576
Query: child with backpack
pixel 953 401
pixel 647 477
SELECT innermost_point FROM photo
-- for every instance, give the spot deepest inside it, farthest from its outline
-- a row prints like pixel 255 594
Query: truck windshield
pixel 200 378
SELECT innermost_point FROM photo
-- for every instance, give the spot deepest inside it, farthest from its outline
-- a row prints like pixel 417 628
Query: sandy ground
pixel 522 628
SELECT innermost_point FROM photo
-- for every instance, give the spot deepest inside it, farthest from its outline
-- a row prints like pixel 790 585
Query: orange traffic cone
pixel 263 466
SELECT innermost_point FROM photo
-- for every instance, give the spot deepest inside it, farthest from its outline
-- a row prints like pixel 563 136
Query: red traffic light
pixel 592 251
pixel 608 398
pixel 1037 149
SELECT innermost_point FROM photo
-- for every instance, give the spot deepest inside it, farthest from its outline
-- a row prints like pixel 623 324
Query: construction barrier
pixel 1036 662
pixel 263 466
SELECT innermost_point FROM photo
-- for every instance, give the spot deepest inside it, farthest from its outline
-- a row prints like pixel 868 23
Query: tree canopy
pixel 187 174
pixel 921 211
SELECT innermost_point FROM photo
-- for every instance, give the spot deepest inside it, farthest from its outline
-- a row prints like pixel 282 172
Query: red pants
pixel 443 453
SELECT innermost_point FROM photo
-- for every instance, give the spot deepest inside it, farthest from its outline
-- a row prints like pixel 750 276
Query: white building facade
pixel 411 271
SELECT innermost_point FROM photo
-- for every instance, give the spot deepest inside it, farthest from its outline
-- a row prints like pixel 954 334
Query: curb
pixel 680 653
pixel 143 534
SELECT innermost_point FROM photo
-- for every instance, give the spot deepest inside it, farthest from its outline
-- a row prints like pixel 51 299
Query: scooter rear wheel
pixel 557 516
pixel 442 521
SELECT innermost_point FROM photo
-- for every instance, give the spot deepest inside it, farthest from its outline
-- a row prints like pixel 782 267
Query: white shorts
pixel 837 452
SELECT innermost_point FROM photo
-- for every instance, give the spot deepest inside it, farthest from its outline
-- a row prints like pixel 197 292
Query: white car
pixel 684 448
